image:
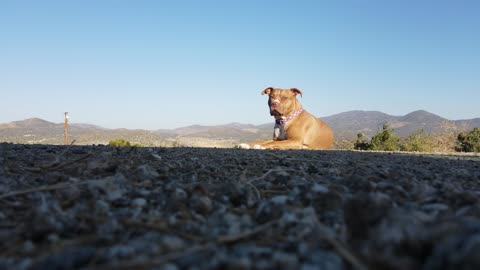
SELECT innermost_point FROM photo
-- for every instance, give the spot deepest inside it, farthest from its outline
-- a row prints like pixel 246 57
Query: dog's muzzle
pixel 274 107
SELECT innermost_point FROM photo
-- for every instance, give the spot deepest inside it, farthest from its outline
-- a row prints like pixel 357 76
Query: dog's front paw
pixel 243 146
pixel 258 147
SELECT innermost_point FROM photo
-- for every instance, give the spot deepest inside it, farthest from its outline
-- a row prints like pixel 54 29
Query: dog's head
pixel 282 102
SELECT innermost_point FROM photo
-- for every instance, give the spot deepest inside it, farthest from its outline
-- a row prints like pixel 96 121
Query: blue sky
pixel 166 64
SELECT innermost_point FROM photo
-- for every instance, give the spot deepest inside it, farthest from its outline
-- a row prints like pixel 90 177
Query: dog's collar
pixel 283 121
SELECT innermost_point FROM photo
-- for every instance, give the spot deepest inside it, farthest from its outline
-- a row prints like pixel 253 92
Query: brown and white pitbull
pixel 294 128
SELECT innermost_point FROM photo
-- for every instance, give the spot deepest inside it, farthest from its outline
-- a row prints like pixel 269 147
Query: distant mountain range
pixel 348 124
pixel 345 125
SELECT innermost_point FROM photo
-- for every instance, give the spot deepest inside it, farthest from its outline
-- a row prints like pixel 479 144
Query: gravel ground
pixel 98 207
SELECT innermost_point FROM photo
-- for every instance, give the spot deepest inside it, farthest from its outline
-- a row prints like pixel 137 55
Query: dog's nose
pixel 275 102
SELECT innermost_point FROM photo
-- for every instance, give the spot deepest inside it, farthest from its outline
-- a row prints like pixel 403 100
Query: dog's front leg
pixel 285 144
pixel 255 145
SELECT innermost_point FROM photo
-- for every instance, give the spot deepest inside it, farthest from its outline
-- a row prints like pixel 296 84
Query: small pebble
pixel 121 251
pixel 319 188
pixel 147 172
pixel 279 199
pixel 169 266
pixel 243 263
pixel 102 208
pixel 202 204
pixel 285 260
pixel 28 247
pixel 139 202
pixel 435 207
pixel 172 243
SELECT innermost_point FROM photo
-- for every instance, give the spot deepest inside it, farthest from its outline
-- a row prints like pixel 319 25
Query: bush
pixel 361 143
pixel 417 142
pixel 119 142
pixel 469 142
pixel 386 140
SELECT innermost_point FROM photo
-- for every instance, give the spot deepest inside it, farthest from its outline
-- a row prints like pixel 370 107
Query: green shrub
pixel 469 142
pixel 418 142
pixel 119 142
pixel 361 143
pixel 385 140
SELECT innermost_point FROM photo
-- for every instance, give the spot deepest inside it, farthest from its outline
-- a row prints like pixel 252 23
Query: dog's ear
pixel 267 91
pixel 296 91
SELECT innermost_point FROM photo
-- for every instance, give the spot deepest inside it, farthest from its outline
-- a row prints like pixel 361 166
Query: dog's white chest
pixel 279 132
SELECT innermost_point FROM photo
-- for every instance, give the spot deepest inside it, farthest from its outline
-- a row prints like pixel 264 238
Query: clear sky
pixel 166 64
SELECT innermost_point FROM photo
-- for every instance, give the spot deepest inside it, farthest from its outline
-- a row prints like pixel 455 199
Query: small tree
pixel 119 142
pixel 418 142
pixel 361 143
pixel 386 140
pixel 469 142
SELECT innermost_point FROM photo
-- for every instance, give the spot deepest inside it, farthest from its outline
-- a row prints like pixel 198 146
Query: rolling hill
pixel 348 124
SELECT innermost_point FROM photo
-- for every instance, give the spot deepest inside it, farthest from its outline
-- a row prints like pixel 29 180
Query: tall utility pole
pixel 65 133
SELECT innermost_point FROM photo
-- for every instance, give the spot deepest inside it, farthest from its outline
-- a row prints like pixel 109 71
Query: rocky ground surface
pixel 98 207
